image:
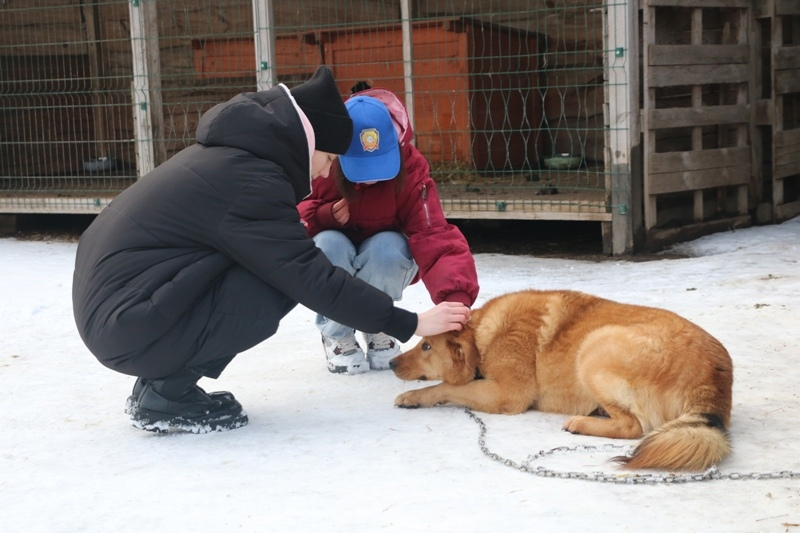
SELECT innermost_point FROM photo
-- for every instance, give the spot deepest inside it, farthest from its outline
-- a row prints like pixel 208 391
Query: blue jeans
pixel 383 260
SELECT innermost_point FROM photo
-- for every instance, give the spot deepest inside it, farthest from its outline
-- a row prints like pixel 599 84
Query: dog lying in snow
pixel 623 371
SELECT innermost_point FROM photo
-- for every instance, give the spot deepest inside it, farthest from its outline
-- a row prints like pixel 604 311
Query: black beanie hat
pixel 320 100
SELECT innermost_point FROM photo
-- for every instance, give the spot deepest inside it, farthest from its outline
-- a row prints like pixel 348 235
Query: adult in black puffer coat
pixel 201 258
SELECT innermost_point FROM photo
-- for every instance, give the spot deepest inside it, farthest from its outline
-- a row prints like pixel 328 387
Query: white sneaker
pixel 381 349
pixel 345 356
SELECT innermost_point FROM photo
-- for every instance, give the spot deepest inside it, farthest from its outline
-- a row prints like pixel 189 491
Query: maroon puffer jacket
pixel 446 265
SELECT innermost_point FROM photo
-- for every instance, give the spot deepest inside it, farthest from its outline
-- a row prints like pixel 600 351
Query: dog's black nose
pixel 392 364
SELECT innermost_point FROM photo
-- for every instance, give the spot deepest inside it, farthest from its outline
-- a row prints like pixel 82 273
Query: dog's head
pixel 450 357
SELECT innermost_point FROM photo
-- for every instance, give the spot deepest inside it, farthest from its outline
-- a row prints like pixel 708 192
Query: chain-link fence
pixel 509 100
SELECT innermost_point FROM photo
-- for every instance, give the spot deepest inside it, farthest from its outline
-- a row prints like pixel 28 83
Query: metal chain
pixel 712 473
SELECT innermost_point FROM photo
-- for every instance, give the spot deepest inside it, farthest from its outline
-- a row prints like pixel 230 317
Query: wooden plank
pixel 698 207
pixel 744 132
pixel 763 112
pixel 699 159
pixel 786 153
pixel 693 54
pixel 570 23
pixel 743 197
pixel 317 13
pixel 24 31
pixel 760 117
pixel 693 180
pixel 233 58
pixel 239 17
pixel 648 104
pixel 696 75
pixel 778 197
pixel 786 7
pixel 700 169
pixel 476 7
pixel 698 116
pixel 787 81
pixel 223 58
pixel 787 57
pixel 662 237
pixel 786 168
pixel 787 210
pixel 60 41
pixel 787 139
pixel 762 9
pixel 213 18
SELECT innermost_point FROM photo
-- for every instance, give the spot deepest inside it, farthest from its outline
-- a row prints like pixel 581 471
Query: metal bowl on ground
pixel 98 165
pixel 562 162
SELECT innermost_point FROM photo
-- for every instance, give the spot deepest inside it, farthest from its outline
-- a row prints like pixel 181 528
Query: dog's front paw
pixel 574 424
pixel 409 400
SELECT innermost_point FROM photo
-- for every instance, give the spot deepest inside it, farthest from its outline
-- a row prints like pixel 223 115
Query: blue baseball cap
pixel 374 153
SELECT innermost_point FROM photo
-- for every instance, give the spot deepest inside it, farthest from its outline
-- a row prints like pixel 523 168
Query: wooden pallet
pixel 785 88
pixel 706 66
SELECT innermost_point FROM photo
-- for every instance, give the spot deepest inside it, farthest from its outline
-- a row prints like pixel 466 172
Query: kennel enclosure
pixel 660 119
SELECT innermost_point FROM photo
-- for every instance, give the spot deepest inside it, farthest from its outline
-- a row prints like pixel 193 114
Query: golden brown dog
pixel 624 370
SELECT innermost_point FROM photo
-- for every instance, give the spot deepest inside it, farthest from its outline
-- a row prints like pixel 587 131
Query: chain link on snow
pixel 712 473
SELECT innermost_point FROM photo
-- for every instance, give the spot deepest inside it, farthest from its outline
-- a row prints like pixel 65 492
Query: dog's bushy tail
pixel 691 442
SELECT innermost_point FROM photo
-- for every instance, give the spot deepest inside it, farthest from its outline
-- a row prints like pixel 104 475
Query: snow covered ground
pixel 326 452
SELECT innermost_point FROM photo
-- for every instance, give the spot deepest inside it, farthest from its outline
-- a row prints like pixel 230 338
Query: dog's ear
pixel 473 358
pixel 465 355
pixel 471 355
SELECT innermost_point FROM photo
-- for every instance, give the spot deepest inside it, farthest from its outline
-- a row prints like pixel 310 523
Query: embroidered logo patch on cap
pixel 370 138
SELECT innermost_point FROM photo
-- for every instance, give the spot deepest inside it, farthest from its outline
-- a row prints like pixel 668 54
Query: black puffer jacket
pixel 163 243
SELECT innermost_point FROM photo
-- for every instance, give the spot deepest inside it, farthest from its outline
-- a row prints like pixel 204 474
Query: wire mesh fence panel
pixel 50 104
pixel 507 99
pixel 67 123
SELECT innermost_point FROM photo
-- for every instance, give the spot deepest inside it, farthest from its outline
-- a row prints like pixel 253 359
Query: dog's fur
pixel 625 370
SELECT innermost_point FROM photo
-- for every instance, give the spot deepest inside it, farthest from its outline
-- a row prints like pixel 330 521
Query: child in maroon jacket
pixel 380 219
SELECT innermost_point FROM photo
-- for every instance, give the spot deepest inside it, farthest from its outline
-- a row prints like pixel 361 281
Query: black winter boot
pixel 176 402
pixel 133 400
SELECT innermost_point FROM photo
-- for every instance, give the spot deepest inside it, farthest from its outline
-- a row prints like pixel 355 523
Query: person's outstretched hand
pixel 447 316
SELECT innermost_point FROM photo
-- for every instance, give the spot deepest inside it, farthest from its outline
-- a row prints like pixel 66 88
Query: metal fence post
pixel 264 20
